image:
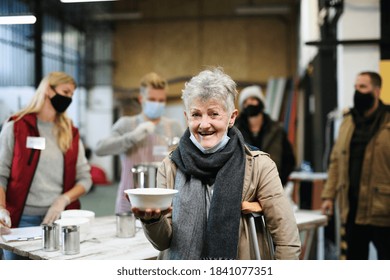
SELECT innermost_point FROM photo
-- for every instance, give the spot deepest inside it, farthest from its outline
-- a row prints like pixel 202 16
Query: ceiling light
pixel 18 19
pixel 117 16
pixel 84 1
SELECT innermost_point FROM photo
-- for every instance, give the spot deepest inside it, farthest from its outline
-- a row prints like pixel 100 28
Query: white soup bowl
pixel 152 198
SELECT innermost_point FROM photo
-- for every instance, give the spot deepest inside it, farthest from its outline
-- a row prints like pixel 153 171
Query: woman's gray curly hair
pixel 211 84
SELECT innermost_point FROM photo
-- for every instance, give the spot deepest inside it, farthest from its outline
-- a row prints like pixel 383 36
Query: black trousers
pixel 358 238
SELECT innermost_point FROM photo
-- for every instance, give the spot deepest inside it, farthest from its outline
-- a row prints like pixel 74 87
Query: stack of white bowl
pixel 81 218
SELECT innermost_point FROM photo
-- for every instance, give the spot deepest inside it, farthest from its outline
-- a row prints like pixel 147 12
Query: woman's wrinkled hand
pixel 150 214
pixel 251 207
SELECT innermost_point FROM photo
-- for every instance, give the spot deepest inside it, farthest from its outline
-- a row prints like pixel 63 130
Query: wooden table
pixel 102 243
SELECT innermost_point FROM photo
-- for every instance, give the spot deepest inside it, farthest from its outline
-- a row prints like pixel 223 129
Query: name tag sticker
pixel 37 143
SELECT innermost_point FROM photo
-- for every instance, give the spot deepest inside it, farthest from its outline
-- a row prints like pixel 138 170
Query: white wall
pixel 176 111
pixel 360 20
pixel 13 99
pixel 98 123
pixel 308 31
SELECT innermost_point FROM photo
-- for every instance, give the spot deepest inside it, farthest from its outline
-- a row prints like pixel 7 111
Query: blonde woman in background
pixel 43 168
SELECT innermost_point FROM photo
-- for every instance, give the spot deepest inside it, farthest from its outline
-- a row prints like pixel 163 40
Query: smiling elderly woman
pixel 217 176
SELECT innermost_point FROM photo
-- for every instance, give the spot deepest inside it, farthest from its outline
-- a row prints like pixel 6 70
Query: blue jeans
pixel 25 221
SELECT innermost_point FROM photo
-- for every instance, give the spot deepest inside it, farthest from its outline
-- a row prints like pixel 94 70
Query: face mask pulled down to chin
pixel 225 139
pixel 363 101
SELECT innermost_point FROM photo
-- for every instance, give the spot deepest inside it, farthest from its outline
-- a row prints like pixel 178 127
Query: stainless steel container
pixel 70 237
pixel 145 174
pixel 125 225
pixel 50 237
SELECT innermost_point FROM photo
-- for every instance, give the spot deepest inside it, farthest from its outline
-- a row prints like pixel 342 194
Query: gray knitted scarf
pixel 213 235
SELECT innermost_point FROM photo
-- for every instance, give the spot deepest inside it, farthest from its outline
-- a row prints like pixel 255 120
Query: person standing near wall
pixel 43 169
pixel 359 173
pixel 141 138
pixel 261 131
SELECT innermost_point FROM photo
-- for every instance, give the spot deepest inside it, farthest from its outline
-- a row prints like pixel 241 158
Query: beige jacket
pixel 261 184
pixel 374 193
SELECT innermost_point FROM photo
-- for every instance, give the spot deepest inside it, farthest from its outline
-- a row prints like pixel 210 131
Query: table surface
pixel 102 243
pixel 310 219
pixel 308 176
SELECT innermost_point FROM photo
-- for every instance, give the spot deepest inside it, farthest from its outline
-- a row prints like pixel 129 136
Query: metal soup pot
pixel 145 175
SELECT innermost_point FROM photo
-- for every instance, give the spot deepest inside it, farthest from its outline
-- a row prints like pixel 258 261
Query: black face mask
pixel 254 110
pixel 60 102
pixel 363 101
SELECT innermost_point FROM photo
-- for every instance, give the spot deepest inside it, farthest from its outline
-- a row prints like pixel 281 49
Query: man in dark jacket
pixel 359 173
pixel 261 131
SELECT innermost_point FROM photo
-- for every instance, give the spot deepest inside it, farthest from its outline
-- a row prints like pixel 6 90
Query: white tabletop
pixel 309 219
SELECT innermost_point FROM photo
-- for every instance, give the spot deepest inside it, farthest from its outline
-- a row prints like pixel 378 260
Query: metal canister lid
pixel 139 169
pixel 124 214
pixel 49 226
pixel 68 229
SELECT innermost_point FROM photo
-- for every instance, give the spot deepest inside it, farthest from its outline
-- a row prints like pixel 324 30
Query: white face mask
pixel 211 150
pixel 153 110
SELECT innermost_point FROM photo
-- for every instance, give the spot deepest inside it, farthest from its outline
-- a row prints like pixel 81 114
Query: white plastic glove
pixel 56 208
pixel 141 131
pixel 5 221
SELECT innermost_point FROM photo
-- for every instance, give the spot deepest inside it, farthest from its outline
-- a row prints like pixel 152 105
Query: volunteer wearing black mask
pixel 359 172
pixel 43 168
pixel 261 131
pixel 61 101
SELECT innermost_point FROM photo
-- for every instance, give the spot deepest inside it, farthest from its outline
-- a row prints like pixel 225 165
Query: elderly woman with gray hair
pixel 219 180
